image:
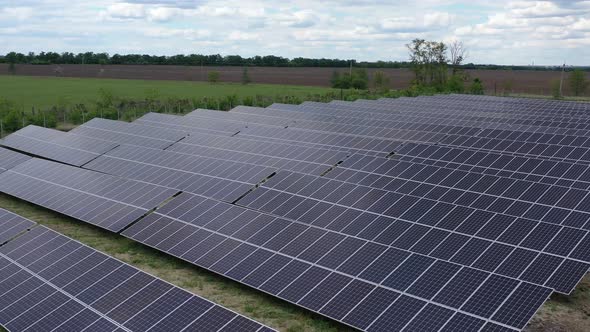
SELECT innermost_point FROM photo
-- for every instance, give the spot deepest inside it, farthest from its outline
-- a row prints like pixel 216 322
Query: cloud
pixel 501 31
pixel 125 11
pixel 18 13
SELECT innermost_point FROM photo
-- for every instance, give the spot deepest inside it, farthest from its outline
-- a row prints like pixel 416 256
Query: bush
pixel 213 77
pixel 456 84
pixel 380 81
pixel 245 77
pixel 476 87
pixel 577 80
pixel 556 89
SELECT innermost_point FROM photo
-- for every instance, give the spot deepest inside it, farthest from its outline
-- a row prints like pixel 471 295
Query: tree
pixel 476 87
pixel 577 81
pixel 360 79
pixel 458 54
pixel 341 81
pixel 429 62
pixel 456 83
pixel 380 81
pixel 245 77
pixel 213 77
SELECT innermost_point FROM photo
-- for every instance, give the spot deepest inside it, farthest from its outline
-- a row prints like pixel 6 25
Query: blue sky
pixel 502 32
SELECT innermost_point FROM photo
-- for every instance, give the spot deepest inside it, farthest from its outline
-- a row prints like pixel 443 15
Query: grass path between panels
pixel 247 301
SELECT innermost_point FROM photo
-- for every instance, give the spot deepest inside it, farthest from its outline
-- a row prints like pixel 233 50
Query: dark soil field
pixel 495 81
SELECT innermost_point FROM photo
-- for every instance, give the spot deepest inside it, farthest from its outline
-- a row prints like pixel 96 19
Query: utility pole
pixel 561 80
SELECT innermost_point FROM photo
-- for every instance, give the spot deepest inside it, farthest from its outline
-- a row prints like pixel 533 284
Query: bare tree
pixel 458 54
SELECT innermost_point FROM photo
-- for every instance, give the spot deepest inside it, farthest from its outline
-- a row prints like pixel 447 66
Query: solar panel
pixel 12 225
pixel 216 178
pixel 102 200
pixel 52 144
pixel 9 159
pixel 465 236
pixel 380 132
pixel 495 194
pixel 49 281
pixel 186 123
pixel 128 133
pixel 366 285
pixel 562 173
pixel 277 155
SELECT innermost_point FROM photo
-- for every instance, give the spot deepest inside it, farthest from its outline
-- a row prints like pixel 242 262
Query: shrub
pixel 476 87
pixel 213 77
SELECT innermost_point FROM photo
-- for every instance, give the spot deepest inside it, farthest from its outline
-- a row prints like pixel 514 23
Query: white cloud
pixel 241 36
pixel 18 13
pixel 125 11
pixel 501 31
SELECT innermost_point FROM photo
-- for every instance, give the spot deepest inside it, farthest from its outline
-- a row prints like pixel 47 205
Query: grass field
pixel 42 92
pixel 247 301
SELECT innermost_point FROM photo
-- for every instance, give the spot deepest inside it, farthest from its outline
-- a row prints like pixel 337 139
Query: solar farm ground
pixel 232 295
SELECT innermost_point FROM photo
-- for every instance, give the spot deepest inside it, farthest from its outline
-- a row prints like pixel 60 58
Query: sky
pixel 498 32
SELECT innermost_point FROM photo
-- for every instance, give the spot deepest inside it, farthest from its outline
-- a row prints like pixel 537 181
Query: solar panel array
pixel 49 282
pixel 438 213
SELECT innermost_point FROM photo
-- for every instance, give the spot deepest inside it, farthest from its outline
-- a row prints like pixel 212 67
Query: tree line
pixel 48 58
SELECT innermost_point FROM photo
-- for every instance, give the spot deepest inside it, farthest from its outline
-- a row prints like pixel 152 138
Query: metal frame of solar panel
pixel 49 282
pixel 99 199
pixel 56 145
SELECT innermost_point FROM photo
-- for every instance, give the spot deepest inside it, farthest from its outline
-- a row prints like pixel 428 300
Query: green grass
pixel 247 301
pixel 42 92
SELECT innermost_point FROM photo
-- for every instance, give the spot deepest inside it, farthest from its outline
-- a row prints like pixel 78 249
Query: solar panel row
pixel 49 282
pixel 220 179
pixel 460 235
pixel 366 285
pixel 51 144
pixel 102 200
